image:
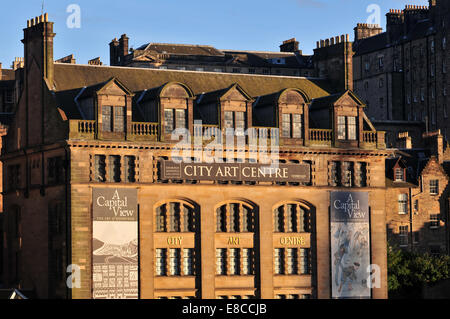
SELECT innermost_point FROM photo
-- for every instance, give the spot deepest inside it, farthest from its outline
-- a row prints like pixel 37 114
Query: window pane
pixel 106 118
pixel 181 118
pixel 119 119
pixel 229 120
pixel 168 121
pixel 114 169
pixel 240 123
pixel 341 128
pixel 351 121
pixel 297 126
pixel 130 169
pixel 286 125
pixel 100 168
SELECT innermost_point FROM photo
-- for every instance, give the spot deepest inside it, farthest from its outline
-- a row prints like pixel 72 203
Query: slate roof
pixel 263 59
pixel 415 161
pixel 367 45
pixel 70 79
pixel 181 49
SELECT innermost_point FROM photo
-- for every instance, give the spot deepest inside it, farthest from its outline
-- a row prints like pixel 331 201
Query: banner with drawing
pixel 115 244
pixel 350 245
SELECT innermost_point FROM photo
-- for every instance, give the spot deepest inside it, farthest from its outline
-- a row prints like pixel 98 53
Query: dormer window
pixel 399 175
pixel 347 128
pixel 292 125
pixel 113 119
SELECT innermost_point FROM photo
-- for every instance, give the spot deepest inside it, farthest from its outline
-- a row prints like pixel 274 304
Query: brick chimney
pixel 18 63
pixel 394 24
pixel 404 140
pixel 333 59
pixel 365 30
pixel 38 45
pixel 435 141
pixel 114 52
pixel 291 45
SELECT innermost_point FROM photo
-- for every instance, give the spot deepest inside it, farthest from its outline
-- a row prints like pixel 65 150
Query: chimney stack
pixel 114 52
pixel 365 30
pixel 291 45
pixel 38 45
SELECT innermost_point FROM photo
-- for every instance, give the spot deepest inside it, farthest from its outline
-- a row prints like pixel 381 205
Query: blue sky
pixel 233 24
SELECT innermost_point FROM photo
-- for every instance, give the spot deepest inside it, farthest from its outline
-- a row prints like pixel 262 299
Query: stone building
pixel 401 74
pixel 417 200
pixel 290 61
pixel 89 140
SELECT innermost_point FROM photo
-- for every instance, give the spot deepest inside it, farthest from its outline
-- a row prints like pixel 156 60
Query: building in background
pixel 417 200
pixel 95 149
pixel 402 73
pixel 290 61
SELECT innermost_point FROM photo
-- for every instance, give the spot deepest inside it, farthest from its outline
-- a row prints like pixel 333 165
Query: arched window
pixel 291 218
pixel 175 217
pixel 235 217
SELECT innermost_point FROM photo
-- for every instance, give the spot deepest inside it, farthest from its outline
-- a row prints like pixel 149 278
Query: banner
pixel 115 244
pixel 350 245
pixel 242 172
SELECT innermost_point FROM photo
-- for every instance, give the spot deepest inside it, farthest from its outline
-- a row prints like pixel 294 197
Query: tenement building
pixel 402 74
pixel 417 200
pixel 130 177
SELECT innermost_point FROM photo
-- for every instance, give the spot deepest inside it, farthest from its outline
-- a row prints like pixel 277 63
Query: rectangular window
pixel 13 177
pixel 9 96
pixel 360 174
pixel 161 262
pixel 292 261
pixel 229 120
pixel 180 118
pixel 297 126
pixel 100 168
pixel 351 122
pixel 399 175
pixel 416 205
pixel 161 221
pixel 247 261
pixel 335 174
pixel 434 187
pixel 304 261
pixel 279 261
pixel 119 119
pixel 114 169
pixel 55 170
pixel 235 261
pixel 107 118
pixel 130 169
pixel 403 230
pixel 402 203
pixel 240 123
pixel 221 261
pixel 286 126
pixel 341 128
pixel 434 221
pixel 235 120
pixel 175 261
pixel 168 121
pixel 347 174
pixel 188 261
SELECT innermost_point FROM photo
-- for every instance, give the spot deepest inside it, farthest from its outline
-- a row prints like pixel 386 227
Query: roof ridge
pixel 192 71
